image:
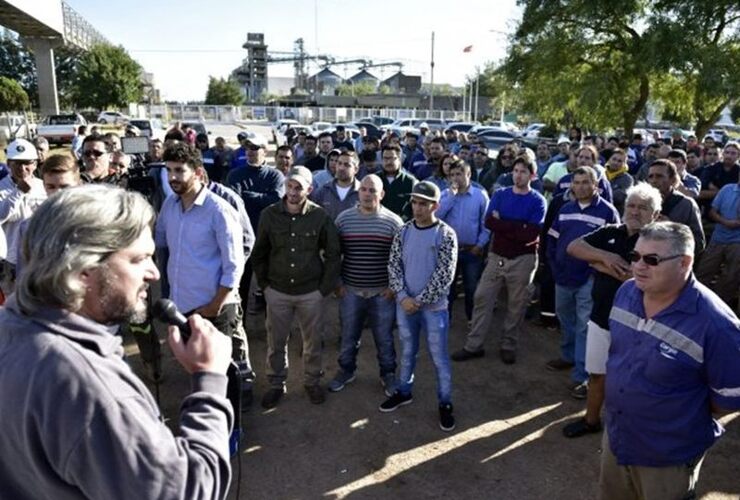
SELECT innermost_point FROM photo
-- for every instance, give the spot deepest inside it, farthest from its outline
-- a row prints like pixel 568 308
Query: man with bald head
pixel 366 233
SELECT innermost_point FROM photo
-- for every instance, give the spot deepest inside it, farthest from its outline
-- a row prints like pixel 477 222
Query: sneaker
pixel 580 428
pixel 395 401
pixel 388 381
pixel 315 394
pixel 558 365
pixel 341 379
pixel 272 397
pixel 579 390
pixel 508 356
pixel 446 419
pixel 464 355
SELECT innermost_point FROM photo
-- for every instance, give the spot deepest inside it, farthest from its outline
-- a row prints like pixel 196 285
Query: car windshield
pixel 62 120
pixel 141 124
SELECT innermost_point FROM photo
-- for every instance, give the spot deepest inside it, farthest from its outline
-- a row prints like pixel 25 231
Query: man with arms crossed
pixel 515 216
pixel 77 422
pixel 674 364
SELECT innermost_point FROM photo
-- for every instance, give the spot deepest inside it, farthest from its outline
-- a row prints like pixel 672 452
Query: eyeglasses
pixel 650 259
pixel 93 152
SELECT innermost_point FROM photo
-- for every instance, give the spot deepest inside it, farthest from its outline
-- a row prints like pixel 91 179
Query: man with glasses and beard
pixel 674 367
pixel 77 422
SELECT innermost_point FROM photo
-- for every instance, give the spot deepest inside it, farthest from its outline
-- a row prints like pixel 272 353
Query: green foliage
pixel 735 112
pixel 107 77
pixel 222 91
pixel 12 96
pixel 596 63
pixel 18 64
pixel 356 89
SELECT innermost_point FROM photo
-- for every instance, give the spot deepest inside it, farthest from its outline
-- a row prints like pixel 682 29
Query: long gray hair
pixel 75 230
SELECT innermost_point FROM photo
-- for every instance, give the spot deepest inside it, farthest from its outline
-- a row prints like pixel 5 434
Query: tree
pixel 18 64
pixel 735 112
pixel 356 89
pixel 703 76
pixel 12 98
pixel 596 63
pixel 223 92
pixel 107 77
pixel 585 62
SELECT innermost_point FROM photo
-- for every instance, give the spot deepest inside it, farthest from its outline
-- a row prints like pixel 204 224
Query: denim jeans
pixel 573 306
pixel 470 266
pixel 435 324
pixel 353 311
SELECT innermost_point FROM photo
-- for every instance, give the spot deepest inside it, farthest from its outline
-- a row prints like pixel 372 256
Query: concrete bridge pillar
pixel 43 52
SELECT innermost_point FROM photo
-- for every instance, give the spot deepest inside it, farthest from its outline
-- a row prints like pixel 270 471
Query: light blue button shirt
pixel 465 213
pixel 205 246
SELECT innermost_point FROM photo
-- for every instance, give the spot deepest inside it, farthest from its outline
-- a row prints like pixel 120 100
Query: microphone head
pixel 164 310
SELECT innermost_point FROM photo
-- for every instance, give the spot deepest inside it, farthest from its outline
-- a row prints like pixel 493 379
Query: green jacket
pixel 297 253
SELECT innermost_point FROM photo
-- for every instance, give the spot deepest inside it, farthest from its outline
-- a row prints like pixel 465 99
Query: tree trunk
pixel 703 124
pixel 631 115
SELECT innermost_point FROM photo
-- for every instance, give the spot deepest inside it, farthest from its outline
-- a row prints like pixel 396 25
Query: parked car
pixel 15 126
pixel 718 134
pixel 199 127
pixel 320 126
pixel 494 132
pixel 462 126
pixel 149 127
pixel 433 123
pixel 371 129
pixel 112 117
pixel 533 130
pixel 377 120
pixel 60 129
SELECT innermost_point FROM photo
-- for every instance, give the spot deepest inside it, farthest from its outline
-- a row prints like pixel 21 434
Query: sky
pixel 185 42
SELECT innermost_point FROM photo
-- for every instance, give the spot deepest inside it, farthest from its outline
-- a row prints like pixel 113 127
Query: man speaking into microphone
pixel 77 422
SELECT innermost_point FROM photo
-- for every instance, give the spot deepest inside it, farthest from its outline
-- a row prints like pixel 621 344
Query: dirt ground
pixel 508 442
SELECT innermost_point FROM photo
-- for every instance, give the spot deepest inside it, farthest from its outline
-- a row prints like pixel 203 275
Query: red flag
pixel 469 48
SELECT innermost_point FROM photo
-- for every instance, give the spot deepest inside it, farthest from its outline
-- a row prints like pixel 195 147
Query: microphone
pixel 166 311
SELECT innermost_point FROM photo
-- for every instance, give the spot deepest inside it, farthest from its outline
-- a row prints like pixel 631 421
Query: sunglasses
pixel 252 147
pixel 93 152
pixel 650 259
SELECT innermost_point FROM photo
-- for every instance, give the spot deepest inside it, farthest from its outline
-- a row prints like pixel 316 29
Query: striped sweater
pixel 366 243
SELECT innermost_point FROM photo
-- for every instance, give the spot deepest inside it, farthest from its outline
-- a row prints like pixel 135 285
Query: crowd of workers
pixel 605 236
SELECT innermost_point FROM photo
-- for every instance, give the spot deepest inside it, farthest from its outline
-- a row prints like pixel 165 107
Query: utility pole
pixel 477 89
pixel 465 87
pixel 431 93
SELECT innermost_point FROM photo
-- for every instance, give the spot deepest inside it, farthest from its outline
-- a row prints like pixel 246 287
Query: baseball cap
pixel 426 191
pixel 302 175
pixel 563 140
pixel 257 140
pixel 241 136
pixel 21 149
pixel 424 125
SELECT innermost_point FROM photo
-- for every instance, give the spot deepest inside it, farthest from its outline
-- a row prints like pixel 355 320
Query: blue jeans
pixel 573 306
pixel 471 267
pixel 435 324
pixel 353 310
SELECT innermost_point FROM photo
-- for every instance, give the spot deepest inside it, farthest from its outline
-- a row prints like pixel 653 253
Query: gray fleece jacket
pixel 77 423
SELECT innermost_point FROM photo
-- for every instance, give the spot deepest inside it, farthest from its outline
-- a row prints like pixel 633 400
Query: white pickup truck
pixel 60 129
pixel 15 126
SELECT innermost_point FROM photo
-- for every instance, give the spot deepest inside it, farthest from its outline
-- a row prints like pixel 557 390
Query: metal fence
pixel 305 115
